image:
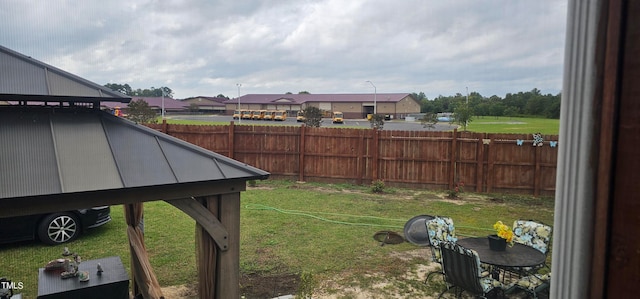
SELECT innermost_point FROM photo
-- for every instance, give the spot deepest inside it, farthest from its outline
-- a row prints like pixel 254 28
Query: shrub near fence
pixel 418 159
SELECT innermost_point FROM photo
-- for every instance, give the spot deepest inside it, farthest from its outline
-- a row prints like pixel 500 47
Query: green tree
pixel 420 96
pixel 140 112
pixel 511 111
pixel 377 121
pixel 429 120
pixel 463 114
pixel 121 88
pixel 147 92
pixel 153 92
pixel 312 116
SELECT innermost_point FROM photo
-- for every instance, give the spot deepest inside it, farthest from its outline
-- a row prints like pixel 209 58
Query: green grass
pixel 320 231
pixel 481 124
pixel 515 125
pixel 193 122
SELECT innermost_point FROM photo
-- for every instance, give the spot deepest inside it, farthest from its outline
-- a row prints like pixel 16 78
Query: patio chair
pixel 462 272
pixel 534 234
pixel 440 230
pixel 532 284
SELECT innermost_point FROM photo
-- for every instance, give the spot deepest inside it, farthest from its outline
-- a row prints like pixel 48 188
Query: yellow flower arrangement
pixel 504 232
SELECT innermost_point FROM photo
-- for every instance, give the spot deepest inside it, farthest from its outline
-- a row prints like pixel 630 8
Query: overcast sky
pixel 206 47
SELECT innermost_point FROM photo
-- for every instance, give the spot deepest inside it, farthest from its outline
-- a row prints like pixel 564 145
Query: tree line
pixel 531 103
pixel 463 107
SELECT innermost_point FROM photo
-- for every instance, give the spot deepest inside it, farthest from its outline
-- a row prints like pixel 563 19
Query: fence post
pixel 165 126
pixel 452 167
pixel 374 155
pixel 301 149
pixel 232 146
pixel 537 173
pixel 359 164
pixel 480 161
pixel 489 166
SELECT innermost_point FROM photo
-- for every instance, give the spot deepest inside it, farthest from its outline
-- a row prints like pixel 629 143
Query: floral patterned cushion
pixel 531 283
pixel 531 233
pixel 440 229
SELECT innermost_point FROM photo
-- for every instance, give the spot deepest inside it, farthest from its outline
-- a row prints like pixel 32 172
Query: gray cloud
pixel 206 47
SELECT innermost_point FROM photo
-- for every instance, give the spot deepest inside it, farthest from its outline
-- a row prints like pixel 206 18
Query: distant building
pixel 354 106
pixel 210 105
pixel 155 103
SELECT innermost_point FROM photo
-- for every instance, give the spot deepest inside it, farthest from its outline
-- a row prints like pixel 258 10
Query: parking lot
pixel 399 125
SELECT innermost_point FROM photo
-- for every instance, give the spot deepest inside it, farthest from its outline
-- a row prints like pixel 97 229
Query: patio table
pixel 518 255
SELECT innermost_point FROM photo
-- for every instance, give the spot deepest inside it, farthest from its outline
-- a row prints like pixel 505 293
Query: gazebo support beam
pixel 204 218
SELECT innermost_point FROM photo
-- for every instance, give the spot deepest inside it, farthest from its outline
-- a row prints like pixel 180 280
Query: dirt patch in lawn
pixel 258 286
pixel 252 286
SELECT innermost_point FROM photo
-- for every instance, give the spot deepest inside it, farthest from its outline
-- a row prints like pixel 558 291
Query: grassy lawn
pixel 516 125
pixel 484 124
pixel 194 122
pixel 321 232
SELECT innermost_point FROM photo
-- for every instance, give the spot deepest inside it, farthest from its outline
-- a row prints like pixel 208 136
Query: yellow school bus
pixel 236 114
pixel 258 114
pixel 245 114
pixel 338 117
pixel 269 115
pixel 280 115
pixel 300 117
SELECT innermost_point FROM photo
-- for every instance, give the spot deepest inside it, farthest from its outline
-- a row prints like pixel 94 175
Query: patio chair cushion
pixel 440 229
pixel 532 233
pixel 533 283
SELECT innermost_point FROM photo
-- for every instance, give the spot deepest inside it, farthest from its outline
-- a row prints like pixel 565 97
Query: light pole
pixel 375 95
pixel 466 122
pixel 162 89
pixel 239 112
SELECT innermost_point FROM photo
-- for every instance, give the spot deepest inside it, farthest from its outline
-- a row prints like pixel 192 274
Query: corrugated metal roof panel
pixel 62 86
pixel 28 164
pixel 138 156
pixel 85 158
pixel 192 165
pixel 25 78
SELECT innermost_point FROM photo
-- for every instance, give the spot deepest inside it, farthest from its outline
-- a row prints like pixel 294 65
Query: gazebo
pixel 59 152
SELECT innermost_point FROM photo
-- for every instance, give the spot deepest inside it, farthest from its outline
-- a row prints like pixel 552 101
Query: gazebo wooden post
pixel 144 280
pixel 219 270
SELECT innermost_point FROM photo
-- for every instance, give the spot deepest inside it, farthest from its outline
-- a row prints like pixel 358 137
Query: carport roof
pixel 27 79
pixel 51 152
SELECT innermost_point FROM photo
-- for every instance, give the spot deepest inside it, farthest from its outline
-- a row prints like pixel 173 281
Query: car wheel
pixel 59 228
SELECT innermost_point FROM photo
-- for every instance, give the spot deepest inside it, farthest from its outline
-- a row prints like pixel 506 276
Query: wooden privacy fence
pixel 500 163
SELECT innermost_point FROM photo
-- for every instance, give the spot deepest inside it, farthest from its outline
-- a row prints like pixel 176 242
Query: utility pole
pixel 375 94
pixel 239 112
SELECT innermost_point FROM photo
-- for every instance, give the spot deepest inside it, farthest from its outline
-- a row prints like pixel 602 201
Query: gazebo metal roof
pixel 27 79
pixel 47 151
